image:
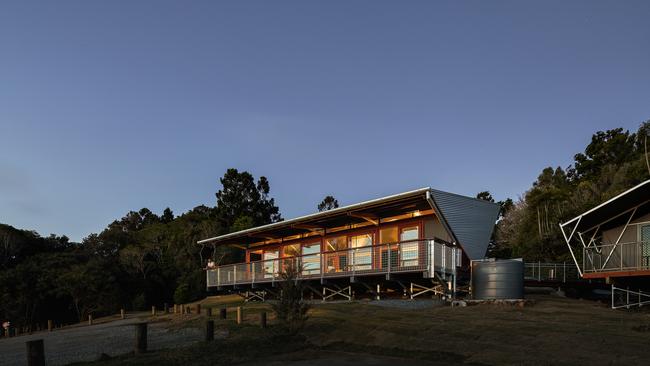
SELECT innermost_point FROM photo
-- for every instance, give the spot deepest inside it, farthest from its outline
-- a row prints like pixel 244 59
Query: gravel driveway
pixel 87 343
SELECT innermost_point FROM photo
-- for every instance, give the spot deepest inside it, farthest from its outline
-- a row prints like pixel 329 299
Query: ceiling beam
pixel 312 228
pixel 373 219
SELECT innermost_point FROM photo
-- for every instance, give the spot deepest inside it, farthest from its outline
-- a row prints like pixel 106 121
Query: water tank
pixel 498 279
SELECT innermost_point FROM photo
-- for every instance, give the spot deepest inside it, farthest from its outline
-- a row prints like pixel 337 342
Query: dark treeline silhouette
pixel 140 260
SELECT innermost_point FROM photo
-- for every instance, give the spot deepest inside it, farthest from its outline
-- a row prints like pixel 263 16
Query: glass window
pixel 336 243
pixel 358 241
pixel 388 235
pixel 271 265
pixel 362 259
pixel 311 259
pixel 292 250
pixel 409 233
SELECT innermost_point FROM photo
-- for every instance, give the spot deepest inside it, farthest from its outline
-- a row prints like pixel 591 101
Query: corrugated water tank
pixel 498 279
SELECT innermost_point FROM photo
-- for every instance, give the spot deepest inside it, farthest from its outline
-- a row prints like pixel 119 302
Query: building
pixel 413 243
pixel 612 240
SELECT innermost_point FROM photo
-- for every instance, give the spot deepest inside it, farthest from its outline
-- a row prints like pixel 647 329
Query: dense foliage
pixel 140 260
pixel 614 161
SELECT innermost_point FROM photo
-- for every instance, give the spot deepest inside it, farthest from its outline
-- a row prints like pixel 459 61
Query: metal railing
pixel 616 257
pixel 626 298
pixel 409 256
pixel 551 272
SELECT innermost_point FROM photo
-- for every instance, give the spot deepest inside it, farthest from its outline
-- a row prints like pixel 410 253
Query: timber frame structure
pixel 413 243
pixel 614 237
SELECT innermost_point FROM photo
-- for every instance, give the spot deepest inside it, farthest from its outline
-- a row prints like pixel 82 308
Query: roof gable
pixel 471 220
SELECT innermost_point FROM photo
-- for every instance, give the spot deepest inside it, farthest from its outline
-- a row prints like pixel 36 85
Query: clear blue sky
pixel 107 106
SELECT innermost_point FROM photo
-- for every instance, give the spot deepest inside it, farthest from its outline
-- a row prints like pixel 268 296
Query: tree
pixel 241 197
pixel 167 216
pixel 291 309
pixel 485 196
pixel 328 203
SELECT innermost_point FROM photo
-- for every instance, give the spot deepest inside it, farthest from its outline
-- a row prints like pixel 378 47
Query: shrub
pixel 291 309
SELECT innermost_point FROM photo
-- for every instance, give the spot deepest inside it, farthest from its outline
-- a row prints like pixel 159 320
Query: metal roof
pixel 470 220
pixel 610 210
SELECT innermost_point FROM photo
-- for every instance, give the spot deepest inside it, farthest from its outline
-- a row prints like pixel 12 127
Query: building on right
pixel 612 240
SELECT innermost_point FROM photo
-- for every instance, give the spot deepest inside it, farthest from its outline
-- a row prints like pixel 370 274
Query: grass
pixel 551 332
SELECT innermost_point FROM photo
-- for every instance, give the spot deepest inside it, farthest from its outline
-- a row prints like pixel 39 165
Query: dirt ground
pixel 552 331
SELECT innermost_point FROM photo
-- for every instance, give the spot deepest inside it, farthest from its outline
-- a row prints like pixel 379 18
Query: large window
pixel 362 251
pixel 292 250
pixel 388 235
pixel 409 246
pixel 271 265
pixel 311 259
pixel 336 256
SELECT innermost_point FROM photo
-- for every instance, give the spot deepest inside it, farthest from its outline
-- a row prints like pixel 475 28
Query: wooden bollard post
pixel 240 315
pixel 198 309
pixel 35 353
pixel 166 308
pixel 122 314
pixel 90 319
pixel 141 338
pixel 209 330
pixel 223 313
pixel 175 308
pixel 263 319
pixel 153 310
pixel 188 310
pixel 208 312
pixel 50 325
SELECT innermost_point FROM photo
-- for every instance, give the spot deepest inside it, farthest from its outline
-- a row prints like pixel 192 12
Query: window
pixel 388 235
pixel 410 247
pixel 362 254
pixel 311 259
pixel 271 266
pixel 291 250
pixel 337 243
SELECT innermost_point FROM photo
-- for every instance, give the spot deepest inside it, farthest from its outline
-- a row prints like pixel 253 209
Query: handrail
pixel 411 256
pixel 617 257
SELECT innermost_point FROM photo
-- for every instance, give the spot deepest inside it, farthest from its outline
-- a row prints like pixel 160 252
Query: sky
pixel 111 106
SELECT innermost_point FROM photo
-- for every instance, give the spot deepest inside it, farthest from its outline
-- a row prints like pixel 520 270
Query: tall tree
pixel 240 197
pixel 328 203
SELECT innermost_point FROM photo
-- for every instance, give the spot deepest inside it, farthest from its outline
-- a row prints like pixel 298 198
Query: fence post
pixel 166 308
pixel 613 289
pixel 239 315
pixel 122 314
pixel 90 319
pixel 539 271
pixel 141 338
pixel 209 330
pixel 153 310
pixel 564 272
pixel 50 325
pixel 223 313
pixel 198 309
pixel 35 353
pixel 263 319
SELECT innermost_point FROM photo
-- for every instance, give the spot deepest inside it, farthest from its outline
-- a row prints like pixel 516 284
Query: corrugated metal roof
pixel 471 220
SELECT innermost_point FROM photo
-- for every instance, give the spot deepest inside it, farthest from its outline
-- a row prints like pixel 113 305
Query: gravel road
pixel 87 343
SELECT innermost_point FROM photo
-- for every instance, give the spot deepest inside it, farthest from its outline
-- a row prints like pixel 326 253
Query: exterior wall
pixel 433 228
pixel 630 235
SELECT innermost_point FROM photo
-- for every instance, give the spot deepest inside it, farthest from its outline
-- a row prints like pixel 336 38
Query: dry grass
pixel 553 331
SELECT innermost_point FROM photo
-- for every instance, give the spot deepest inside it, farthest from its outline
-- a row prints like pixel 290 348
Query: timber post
pixel 90 319
pixel 153 309
pixel 50 325
pixel 240 315
pixel 209 330
pixel 35 353
pixel 198 309
pixel 122 314
pixel 263 319
pixel 141 338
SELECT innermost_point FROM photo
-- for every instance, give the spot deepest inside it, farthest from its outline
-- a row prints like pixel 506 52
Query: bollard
pixel 198 309
pixel 188 310
pixel 174 308
pixel 122 314
pixel 240 316
pixel 141 338
pixel 223 313
pixel 208 312
pixel 90 319
pixel 263 319
pixel 50 325
pixel 153 310
pixel 166 308
pixel 209 330
pixel 35 353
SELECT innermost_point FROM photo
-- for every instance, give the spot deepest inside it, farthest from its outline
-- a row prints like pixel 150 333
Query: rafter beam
pixel 373 219
pixel 312 228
